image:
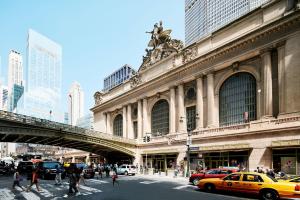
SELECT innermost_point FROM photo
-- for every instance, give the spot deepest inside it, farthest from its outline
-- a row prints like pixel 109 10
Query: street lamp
pixel 188 144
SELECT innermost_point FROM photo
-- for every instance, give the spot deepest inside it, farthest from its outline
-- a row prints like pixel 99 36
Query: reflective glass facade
pixel 203 17
pixel 44 74
pixel 160 117
pixel 238 99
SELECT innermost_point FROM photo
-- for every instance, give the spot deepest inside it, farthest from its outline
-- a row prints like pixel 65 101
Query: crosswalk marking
pixel 90 189
pixel 149 182
pixel 28 195
pixel 6 194
pixel 96 181
pixel 44 192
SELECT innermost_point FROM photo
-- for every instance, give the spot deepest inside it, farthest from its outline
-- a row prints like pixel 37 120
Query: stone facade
pixel 265 44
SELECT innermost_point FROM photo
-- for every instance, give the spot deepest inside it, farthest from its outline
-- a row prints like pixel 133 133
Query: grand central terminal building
pixel 236 91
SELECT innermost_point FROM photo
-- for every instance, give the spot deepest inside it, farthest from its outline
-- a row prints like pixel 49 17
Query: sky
pixel 97 36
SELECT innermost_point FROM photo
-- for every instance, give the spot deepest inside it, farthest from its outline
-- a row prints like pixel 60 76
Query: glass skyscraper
pixel 44 77
pixel 203 17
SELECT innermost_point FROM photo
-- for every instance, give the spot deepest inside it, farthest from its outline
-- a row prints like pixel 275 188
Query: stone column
pixel 172 111
pixel 108 127
pixel 210 101
pixel 145 117
pixel 181 110
pixel 267 77
pixel 281 78
pixel 140 119
pixel 129 123
pixel 125 122
pixel 260 157
pixel 199 104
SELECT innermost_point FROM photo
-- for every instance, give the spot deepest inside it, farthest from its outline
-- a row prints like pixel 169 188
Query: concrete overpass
pixel 25 129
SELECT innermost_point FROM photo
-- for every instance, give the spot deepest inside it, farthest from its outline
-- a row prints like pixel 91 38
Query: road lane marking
pixel 149 182
pixel 28 195
pixel 185 186
pixel 6 194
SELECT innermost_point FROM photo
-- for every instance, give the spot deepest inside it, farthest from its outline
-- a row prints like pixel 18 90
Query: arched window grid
pixel 160 117
pixel 118 125
pixel 237 97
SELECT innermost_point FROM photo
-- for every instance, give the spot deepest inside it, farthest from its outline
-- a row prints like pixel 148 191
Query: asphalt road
pixel 129 188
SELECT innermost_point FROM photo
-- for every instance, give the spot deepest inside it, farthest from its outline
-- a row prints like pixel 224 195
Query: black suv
pixel 88 172
pixel 47 169
pixel 25 167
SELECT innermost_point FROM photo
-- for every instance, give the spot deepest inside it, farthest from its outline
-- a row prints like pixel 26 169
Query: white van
pixel 127 170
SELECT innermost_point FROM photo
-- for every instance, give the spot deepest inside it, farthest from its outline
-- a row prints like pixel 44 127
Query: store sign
pixel 194 148
pixel 225 147
pixel 283 143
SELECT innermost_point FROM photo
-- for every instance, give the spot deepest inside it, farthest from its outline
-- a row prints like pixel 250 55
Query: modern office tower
pixel 15 79
pixel 66 118
pixel 86 121
pixel 76 103
pixel 3 97
pixel 44 77
pixel 118 77
pixel 203 17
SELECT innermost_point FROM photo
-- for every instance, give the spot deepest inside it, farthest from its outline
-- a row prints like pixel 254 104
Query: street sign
pixel 194 148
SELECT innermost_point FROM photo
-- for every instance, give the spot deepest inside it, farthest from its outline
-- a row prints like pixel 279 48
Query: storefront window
pixel 286 160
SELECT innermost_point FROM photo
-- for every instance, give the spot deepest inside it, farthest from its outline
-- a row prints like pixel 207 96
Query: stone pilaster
pixel 140 119
pixel 125 122
pixel 108 122
pixel 260 157
pixel 210 101
pixel 199 104
pixel 172 111
pixel 281 78
pixel 129 123
pixel 145 117
pixel 267 89
pixel 181 110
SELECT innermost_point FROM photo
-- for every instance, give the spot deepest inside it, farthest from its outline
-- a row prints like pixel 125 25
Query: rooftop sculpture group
pixel 161 45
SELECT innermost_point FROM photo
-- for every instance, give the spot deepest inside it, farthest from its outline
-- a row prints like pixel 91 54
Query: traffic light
pixel 144 138
pixel 148 138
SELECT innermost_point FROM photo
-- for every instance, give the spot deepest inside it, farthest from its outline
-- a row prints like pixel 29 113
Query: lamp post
pixel 188 144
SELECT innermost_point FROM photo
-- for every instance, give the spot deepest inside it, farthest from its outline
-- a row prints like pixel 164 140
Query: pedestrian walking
pixel 17 179
pixel 81 176
pixel 58 175
pixel 114 178
pixel 34 180
pixel 72 183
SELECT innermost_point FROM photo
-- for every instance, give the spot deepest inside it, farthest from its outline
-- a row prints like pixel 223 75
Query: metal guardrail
pixel 60 126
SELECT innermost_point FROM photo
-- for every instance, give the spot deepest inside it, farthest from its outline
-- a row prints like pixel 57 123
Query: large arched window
pixel 118 125
pixel 160 117
pixel 237 99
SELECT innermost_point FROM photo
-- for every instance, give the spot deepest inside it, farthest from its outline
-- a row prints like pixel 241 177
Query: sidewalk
pixel 179 179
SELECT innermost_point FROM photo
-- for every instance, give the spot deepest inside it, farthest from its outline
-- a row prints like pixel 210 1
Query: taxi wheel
pixel 269 195
pixel 196 181
pixel 209 187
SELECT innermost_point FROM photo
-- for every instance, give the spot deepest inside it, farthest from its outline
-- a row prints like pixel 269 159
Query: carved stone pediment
pixel 189 54
pixel 135 80
pixel 161 46
pixel 98 96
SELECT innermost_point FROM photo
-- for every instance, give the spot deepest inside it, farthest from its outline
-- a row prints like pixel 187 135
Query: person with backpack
pixel 17 179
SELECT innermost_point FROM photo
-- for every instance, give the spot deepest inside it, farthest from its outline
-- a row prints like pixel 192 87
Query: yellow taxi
pixel 253 183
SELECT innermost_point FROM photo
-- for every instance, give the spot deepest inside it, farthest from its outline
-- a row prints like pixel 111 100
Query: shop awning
pixel 225 147
pixel 285 143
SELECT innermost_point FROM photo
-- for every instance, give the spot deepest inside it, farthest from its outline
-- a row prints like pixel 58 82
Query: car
pixel 47 169
pixel 88 171
pixel 212 173
pixel 126 169
pixel 25 167
pixel 266 187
